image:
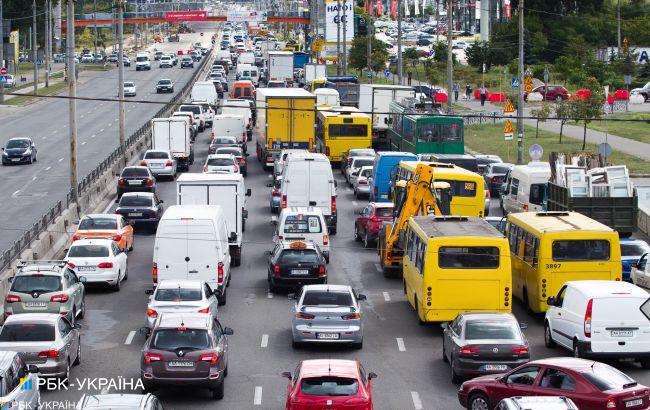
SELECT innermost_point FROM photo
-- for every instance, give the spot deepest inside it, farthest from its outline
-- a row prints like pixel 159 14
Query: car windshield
pixel 605 377
pixel 38 282
pixel 17 144
pixel 27 332
pixel 383 212
pixel 634 249
pixel 499 169
pixel 178 295
pixel 319 297
pixel 234 151
pixel 490 329
pixel 156 155
pixel 293 256
pixel 141 58
pixel 129 85
pixel 89 223
pixel 165 82
pixel 135 200
pixel 171 339
pixel 135 172
pixel 191 108
pixel 329 386
pixel 88 251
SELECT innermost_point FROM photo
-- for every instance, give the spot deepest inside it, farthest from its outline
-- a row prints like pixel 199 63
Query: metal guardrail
pixel 484 117
pixel 40 226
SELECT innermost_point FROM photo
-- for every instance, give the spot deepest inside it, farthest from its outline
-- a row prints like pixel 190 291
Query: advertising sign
pixel 100 16
pixel 332 15
pixel 192 15
pixel 240 16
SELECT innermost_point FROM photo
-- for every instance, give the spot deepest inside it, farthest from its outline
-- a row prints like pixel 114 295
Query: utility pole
pixel 34 47
pixel 2 55
pixel 400 70
pixel 618 28
pixel 338 37
pixel 369 29
pixel 47 43
pixel 95 26
pixel 520 99
pixel 345 37
pixel 72 103
pixel 450 54
pixel 120 75
pixel 437 21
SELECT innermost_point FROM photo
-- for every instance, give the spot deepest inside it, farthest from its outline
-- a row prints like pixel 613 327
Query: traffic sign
pixel 509 109
pixel 508 131
pixel 514 82
pixel 317 45
pixel 605 150
pixel 4 78
pixel 214 42
pixel 432 53
pixel 387 73
pixel 369 75
pixel 3 70
pixel 535 151
pixel 528 84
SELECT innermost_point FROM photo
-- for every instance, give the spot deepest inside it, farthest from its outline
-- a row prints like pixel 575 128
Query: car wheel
pixel 455 378
pixel 126 274
pixel 66 376
pixel 82 309
pixel 478 401
pixel 31 159
pixel 118 284
pixel 417 312
pixel 131 247
pixel 36 157
pixel 548 338
pixel 77 360
pixel 222 299
pixel 645 363
pixel 217 393
pixel 296 345
pixel 558 98
pixel 367 243
pixel 358 346
pixel 444 352
pixel 577 352
pixel 357 237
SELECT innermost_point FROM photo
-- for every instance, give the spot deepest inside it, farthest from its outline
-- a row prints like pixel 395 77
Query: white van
pixel 205 91
pixel 308 181
pixel 192 243
pixel 599 318
pixel 242 107
pixel 226 190
pixel 524 188
pixel 281 160
pixel 303 224
pixel 142 61
pixel 233 125
pixel 247 57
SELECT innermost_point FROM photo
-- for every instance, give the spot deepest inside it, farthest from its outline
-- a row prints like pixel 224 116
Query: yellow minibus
pixel 340 128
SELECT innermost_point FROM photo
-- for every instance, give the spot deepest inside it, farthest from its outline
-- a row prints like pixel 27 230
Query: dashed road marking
pixel 378 267
pixel 400 344
pixel 93 136
pixel 83 143
pixel 386 296
pixel 48 168
pixel 34 179
pixel 355 203
pixel 265 341
pixel 110 125
pixel 102 130
pixel 60 159
pixel 53 132
pixel 269 295
pixel 417 403
pixel 257 399
pixel 130 337
pixel 15 193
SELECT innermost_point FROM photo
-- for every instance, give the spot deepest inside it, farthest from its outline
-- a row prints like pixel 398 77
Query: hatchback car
pixel 119 401
pixel 219 142
pixel 631 251
pixel 360 184
pixel 16 375
pixel 294 264
pixel 186 349
pixel 329 384
pixel 141 208
pixel 590 384
pixel 187 62
pixel 239 155
pixel 327 314
pixel 99 261
pixel 483 160
pixel 355 165
pixel 46 287
pixel 135 179
pixel 165 85
pixel 483 343
pixel 126 61
pixel 166 62
pixel 550 92
pixel 19 151
pixel 46 340
pixel 129 89
pixel 160 163
pixel 181 296
pixel 495 176
pixel 221 163
pixel 346 157
pixel 110 226
pixel 370 220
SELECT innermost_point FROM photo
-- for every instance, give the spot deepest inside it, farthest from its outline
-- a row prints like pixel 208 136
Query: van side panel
pixel 170 249
pixel 320 175
pixel 609 326
pixel 226 197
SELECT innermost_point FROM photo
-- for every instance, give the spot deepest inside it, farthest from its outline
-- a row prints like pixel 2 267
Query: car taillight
pixel 211 358
pixel 375 191
pixel 143 163
pixel 152 357
pixel 351 316
pixel 236 168
pixel 275 192
pixel 105 265
pixel 154 273
pixel 71 265
pixel 206 310
pixel 611 403
pixel 117 238
pixel 211 136
pixel 169 163
pixel 220 272
pixel 321 270
pixel 276 270
pixel 284 201
pixel 326 240
pixel 205 168
pixel 487 194
pixel 62 298
pixel 148 182
pixel 333 204
pixel 152 313
pixel 327 151
pixel 469 350
pixel 12 298
pixel 588 317
pixel 121 182
pixel 495 179
pixel 75 238
pixel 49 354
pixel 304 316
pixel 520 350
pixel 240 160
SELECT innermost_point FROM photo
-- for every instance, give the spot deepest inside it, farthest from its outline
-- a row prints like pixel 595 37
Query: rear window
pixel 633 249
pixel 188 339
pixel 156 155
pixel 98 224
pixel 135 200
pixel 224 141
pixel 383 212
pixel 232 151
pixel 581 250
pixel 88 251
pixel 135 172
pixel 329 386
pixel 363 163
pixel 302 224
pixel 361 152
pixel 465 189
pixel 498 169
pixel 605 377
pixel 27 332
pixel 293 256
pixel 42 284
pixel 317 298
pixel 189 108
pixel 220 162
pixel 178 295
pixel 489 329
pixel 348 130
pixel 474 257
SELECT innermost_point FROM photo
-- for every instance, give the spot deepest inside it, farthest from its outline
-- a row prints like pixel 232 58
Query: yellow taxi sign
pixel 297 245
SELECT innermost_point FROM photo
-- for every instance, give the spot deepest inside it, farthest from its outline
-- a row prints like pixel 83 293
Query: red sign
pixel 193 15
pixel 3 71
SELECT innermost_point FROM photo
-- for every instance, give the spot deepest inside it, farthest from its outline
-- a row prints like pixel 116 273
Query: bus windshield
pixel 431 132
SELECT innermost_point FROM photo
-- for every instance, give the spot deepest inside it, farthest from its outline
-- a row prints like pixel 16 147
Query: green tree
pixel 563 111
pixel 542 115
pixel 588 109
pixel 358 54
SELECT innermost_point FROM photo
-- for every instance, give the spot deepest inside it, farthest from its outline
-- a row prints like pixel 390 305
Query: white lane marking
pixel 15 193
pixel 110 124
pixel 83 143
pixel 102 130
pixel 60 159
pixel 265 341
pixel 417 403
pixel 400 344
pixel 130 337
pixel 378 267
pixel 386 296
pixel 34 179
pixel 257 400
pixel 269 295
pixel 109 206
pixel 81 116
pixel 93 136
pixel 48 168
pixel 355 203
pixel 270 176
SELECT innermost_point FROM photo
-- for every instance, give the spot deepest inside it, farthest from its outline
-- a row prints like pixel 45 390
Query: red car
pixel 370 220
pixel 551 92
pixel 329 384
pixel 590 384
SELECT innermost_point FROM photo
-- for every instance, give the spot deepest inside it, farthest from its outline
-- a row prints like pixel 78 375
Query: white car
pixel 160 162
pixel 100 261
pixel 87 58
pixel 360 183
pixel 166 61
pixel 355 166
pixel 223 163
pixel 129 89
pixel 181 296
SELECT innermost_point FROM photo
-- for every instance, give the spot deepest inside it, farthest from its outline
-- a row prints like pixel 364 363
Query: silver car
pixel 45 340
pixel 180 296
pixel 19 382
pixel 355 165
pixel 119 401
pixel 327 314
pixel 160 162
pixel 360 183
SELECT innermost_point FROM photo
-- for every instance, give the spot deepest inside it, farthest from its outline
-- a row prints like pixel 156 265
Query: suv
pixel 166 61
pixel 46 287
pixel 19 382
pixel 185 349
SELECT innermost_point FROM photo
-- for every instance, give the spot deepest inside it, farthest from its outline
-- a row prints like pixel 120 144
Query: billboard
pixel 240 16
pixel 192 15
pixel 100 16
pixel 332 15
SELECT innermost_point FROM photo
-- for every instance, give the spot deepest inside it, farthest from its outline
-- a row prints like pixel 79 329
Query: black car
pixel 157 55
pixel 294 264
pixel 19 151
pixel 141 207
pixel 164 86
pixel 477 344
pixel 224 84
pixel 495 176
pixel 135 179
pixel 187 62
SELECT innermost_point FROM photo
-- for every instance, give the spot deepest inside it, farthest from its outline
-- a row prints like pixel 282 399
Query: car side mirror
pixel 444 325
pixel 523 326
pixel 267 253
pixel 228 331
pixel 291 296
pixel 386 121
pixel 502 188
pixel 247 154
pixel 33 369
pixel 132 223
pixel 148 292
pixel 372 375
pixel 361 296
pixel 11 279
pixel 161 202
pixel 249 192
pixel 66 250
pixel 336 184
pixel 145 331
pixel 286 374
pixel 550 301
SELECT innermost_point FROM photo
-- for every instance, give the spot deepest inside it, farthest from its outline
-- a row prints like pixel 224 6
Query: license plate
pixel 36 304
pixel 495 367
pixel 181 364
pixel 299 271
pixel 131 182
pixel 15 159
pixel 85 268
pixel 622 333
pixel 135 213
pixel 327 336
pixel 633 403
pixel 157 166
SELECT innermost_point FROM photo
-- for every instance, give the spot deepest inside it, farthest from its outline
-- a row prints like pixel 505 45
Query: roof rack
pixel 57 262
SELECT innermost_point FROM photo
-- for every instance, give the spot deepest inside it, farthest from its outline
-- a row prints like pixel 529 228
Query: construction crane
pixel 421 196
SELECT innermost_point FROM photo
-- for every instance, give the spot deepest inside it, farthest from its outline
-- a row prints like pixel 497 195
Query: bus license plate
pixel 300 271
pixel 327 336
pixel 181 364
pixel 633 403
pixel 495 367
pixel 622 333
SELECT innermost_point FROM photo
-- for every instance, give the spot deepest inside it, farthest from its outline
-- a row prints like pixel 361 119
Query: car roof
pixel 109 216
pixel 327 288
pixel 190 320
pixel 33 318
pixel 114 401
pixel 488 316
pixel 332 367
pixel 382 204
pixel 96 241
pixel 572 363
pixel 607 288
pixel 173 284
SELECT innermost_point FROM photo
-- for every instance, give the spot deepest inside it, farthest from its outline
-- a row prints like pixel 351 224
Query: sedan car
pixel 550 92
pixel 219 142
pixel 126 61
pixel 477 343
pixel 222 163
pixel 187 62
pixel 129 89
pixel 46 340
pixel 141 208
pixel 329 384
pixel 346 157
pixel 370 220
pixel 46 287
pixel 164 85
pixel 160 163
pixel 294 264
pixel 135 179
pixel 590 384
pixel 119 401
pixel 185 349
pixel 99 261
pixel 327 314
pixel 106 226
pixel 643 91
pixel 495 175
pixel 239 155
pixel 360 184
pixel 631 251
pixel 19 151
pixel 181 296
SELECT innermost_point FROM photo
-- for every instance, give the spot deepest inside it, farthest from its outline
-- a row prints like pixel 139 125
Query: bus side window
pixel 421 249
pixel 514 187
pixel 528 248
pixel 521 240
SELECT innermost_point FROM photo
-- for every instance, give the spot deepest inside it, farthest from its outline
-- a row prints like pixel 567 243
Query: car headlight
pixel 4 153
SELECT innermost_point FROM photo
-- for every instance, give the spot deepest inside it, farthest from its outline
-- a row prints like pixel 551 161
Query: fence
pixel 484 118
pixel 138 137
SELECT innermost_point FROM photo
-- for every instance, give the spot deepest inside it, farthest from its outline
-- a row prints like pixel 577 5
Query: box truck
pixel 173 135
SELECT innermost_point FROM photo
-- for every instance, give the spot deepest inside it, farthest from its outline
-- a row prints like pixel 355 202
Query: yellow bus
pixel 551 248
pixel 455 264
pixel 467 187
pixel 340 128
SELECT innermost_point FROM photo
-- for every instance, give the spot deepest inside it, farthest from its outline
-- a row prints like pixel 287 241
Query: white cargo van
pixel 173 135
pixel 142 61
pixel 226 190
pixel 192 243
pixel 308 181
pixel 242 107
pixel 205 91
pixel 327 96
pixel 599 319
pixel 233 125
pixel 523 191
pixel 247 57
pixel 303 224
